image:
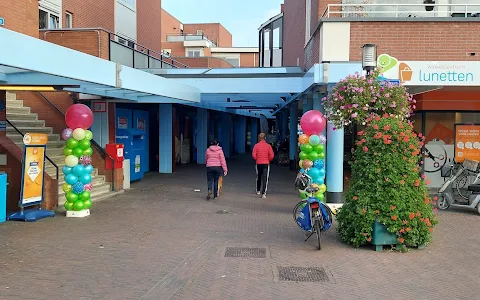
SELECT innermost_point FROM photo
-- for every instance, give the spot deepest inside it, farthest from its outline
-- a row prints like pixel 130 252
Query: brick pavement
pixel 162 240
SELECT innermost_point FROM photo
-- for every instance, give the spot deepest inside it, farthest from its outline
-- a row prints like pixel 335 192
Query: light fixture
pixel 27 88
pixel 369 57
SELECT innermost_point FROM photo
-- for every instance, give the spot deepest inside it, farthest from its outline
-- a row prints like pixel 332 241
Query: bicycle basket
pixel 471 165
pixel 301 181
pixel 446 171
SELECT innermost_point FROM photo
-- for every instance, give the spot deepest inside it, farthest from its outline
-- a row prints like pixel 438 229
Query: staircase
pixel 25 121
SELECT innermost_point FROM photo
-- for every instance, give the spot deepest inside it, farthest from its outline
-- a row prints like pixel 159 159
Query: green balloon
pixel 303 196
pixel 84 196
pixel 72 143
pixel 88 135
pixel 319 148
pixel 313 156
pixel 67 151
pixel 87 204
pixel 66 187
pixel 84 144
pixel 303 155
pixel 68 206
pixel 307 148
pixel 71 197
pixel 88 152
pixel 321 155
pixel 320 196
pixel 78 152
pixel 78 205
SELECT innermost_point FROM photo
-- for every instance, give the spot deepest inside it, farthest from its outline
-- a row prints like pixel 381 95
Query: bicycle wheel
pixel 297 210
pixel 317 229
pixel 461 185
pixel 442 203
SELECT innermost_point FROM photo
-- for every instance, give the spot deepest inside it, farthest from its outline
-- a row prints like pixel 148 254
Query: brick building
pixel 203 45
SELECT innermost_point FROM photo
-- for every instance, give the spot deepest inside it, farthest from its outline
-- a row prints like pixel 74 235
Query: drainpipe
pixel 77 29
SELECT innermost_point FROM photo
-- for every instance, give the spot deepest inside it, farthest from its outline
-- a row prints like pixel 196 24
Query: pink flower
pixel 354 115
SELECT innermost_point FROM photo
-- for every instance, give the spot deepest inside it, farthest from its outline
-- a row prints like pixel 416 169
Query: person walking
pixel 262 154
pixel 216 167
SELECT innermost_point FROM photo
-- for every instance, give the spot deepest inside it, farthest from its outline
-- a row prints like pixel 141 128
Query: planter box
pixel 381 236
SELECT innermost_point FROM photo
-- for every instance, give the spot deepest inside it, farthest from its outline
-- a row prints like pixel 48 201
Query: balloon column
pixel 312 146
pixel 78 161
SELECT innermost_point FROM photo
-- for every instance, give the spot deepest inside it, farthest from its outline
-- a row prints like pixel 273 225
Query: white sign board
pixel 430 73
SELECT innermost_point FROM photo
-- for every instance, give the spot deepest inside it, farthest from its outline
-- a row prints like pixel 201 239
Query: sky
pixel 240 17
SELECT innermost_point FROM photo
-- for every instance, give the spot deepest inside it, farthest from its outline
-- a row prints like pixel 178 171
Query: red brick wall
pixel 149 24
pixel 417 40
pixel 294 32
pixel 323 4
pixel 214 31
pixel 312 51
pixel 170 25
pixel 20 16
pixel 84 41
pixel 248 60
pixel 204 62
pixel 177 48
pixel 91 13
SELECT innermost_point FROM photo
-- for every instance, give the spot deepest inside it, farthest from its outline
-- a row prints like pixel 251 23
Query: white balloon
pixel 71 161
pixel 79 134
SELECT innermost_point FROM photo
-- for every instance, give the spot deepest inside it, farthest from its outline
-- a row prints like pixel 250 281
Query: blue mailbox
pixel 3 197
pixel 135 150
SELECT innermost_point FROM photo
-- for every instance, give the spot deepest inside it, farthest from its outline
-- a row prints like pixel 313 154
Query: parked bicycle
pixel 311 214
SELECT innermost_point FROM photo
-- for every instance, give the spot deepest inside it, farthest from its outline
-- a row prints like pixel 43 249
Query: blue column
pixel 254 131
pixel 334 164
pixel 284 115
pixel 224 130
pixel 165 149
pixel 240 134
pixel 202 133
pixel 293 134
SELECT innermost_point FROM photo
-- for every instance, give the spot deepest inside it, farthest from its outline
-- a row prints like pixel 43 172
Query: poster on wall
pixel 141 124
pixel 33 169
pixel 122 123
pixel 467 142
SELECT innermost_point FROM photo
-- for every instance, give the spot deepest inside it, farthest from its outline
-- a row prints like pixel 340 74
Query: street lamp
pixel 369 57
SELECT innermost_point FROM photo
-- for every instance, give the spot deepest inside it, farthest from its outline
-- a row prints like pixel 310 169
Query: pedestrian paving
pixel 163 240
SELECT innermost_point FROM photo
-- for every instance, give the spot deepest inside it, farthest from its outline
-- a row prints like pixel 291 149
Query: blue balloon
pixel 319 180
pixel 89 169
pixel 78 188
pixel 78 170
pixel 66 170
pixel 314 140
pixel 71 179
pixel 322 172
pixel 85 178
pixel 319 163
pixel 314 173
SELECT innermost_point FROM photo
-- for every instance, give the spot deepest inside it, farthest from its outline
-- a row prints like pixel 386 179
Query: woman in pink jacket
pixel 216 167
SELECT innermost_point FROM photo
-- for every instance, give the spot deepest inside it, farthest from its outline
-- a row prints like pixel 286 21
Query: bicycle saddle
pixel 312 190
pixel 474 188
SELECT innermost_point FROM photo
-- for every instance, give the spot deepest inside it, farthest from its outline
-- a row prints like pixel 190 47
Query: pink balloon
pixel 313 122
pixel 79 116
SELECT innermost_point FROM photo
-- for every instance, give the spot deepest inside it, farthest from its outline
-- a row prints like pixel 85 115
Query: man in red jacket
pixel 263 155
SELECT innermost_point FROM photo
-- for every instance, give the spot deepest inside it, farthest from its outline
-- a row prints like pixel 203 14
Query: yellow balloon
pixel 78 134
pixel 323 188
pixel 71 161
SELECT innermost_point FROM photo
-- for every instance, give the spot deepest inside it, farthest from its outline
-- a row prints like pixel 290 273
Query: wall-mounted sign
pixel 430 73
pixel 99 106
pixel 467 142
pixel 122 123
pixel 2 22
pixel 141 124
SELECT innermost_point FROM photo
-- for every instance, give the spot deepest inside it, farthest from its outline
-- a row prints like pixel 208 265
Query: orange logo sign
pixel 404 72
pixel 35 139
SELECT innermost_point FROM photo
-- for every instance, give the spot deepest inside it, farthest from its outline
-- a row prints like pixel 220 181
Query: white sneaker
pixel 258 193
pixel 264 196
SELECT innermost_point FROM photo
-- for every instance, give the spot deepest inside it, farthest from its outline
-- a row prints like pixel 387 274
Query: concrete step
pixel 47 130
pixel 98 190
pixel 25 110
pixel 27 123
pixel 16 116
pixel 14 103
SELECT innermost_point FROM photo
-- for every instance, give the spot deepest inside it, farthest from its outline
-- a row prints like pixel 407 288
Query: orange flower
pixel 379 170
pixel 401 240
pixel 355 198
pixel 417 182
pixel 378 135
pixel 365 234
pixel 375 127
pixel 392 207
pixel 387 142
pixel 359 143
pixel 369 239
pixel 387 127
pixel 427 201
pixel 406 139
pixel 365 149
pixel 377 118
pixel 364 210
pixel 416 152
pixel 408 229
pixel 411 216
pixel 360 133
pixel 387 180
pixel 402 230
pixel 394 218
pixel 385 115
pixel 412 146
pixel 405 176
pixel 424 176
pixel 435 198
pixel 427 181
pixel 402 181
pixel 430 229
pixel 418 214
pixel 377 212
pixel 404 222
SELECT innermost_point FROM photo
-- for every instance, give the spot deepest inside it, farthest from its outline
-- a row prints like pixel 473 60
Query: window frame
pixel 193 50
pixel 68 20
pixel 308 20
pixel 49 16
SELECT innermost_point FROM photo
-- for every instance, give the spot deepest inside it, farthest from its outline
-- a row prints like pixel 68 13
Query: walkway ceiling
pixel 29 61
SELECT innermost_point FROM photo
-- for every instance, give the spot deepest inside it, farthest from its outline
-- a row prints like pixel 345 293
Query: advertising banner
pixel 33 169
pixel 467 142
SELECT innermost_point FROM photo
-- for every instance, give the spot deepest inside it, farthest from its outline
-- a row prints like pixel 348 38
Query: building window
pixel 308 19
pixel 68 20
pixel 194 53
pixel 48 20
pixel 199 32
pixel 233 61
pixel 128 3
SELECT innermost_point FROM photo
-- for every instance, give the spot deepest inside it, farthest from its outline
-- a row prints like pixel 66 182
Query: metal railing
pixel 366 10
pixel 46 156
pixel 102 151
pixel 189 37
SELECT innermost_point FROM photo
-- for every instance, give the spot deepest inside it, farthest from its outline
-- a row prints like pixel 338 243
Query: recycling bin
pixel 3 197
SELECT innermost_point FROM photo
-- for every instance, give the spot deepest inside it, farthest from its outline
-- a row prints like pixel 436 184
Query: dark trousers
pixel 263 173
pixel 213 173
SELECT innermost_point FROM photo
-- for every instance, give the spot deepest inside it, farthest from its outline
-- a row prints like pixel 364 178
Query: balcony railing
pixel 367 10
pixel 131 54
pixel 189 37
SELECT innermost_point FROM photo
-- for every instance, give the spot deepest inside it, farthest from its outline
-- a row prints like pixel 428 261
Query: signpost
pixel 33 168
pixel 467 142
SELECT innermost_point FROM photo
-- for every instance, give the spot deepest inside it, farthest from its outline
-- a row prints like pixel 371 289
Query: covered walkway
pixel 162 240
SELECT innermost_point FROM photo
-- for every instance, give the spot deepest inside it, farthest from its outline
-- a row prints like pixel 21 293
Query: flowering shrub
pixel 386 185
pixel 356 98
